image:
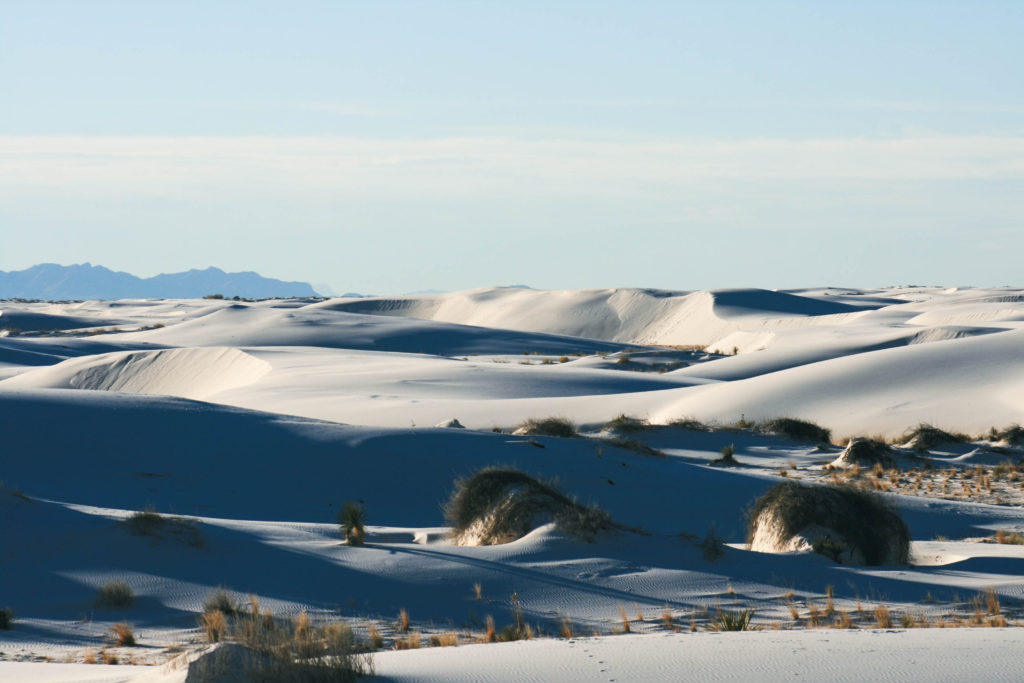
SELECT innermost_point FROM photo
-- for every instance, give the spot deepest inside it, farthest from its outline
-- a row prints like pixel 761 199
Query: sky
pixel 387 147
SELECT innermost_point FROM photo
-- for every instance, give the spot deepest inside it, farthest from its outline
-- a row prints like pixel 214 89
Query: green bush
pixel 352 520
pixel 732 621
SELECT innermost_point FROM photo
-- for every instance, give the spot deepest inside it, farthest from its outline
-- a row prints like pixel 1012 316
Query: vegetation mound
pixel 866 453
pixel 925 437
pixel 548 426
pixel 498 505
pixel 797 430
pixel 848 525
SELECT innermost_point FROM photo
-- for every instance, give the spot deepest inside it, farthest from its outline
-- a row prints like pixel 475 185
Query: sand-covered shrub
pixel 352 520
pixel 924 437
pixel 690 423
pixel 866 453
pixel 499 505
pixel 150 523
pixel 547 426
pixel 1012 435
pixel 115 594
pixel 797 430
pixel 849 525
pixel 728 458
pixel 625 424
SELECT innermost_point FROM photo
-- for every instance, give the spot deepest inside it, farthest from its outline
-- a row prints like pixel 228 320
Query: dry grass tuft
pixel 883 618
pixel 410 642
pixel 214 625
pixel 490 635
pixel 123 634
pixel 403 620
pixel 376 639
pixel 625 619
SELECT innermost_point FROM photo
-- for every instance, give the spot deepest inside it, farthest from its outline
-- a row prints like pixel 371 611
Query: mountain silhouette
pixel 86 281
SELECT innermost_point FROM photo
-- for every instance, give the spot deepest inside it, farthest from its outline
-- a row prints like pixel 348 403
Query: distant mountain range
pixel 86 281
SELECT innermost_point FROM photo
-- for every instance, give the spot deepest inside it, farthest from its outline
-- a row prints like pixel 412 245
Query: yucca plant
pixel 352 518
pixel 732 621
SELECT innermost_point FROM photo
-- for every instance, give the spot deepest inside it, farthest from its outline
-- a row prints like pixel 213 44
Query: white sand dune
pixel 258 420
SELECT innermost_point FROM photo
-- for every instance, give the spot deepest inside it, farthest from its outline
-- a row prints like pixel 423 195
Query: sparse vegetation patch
pixel 846 524
pixel 498 505
pixel 548 426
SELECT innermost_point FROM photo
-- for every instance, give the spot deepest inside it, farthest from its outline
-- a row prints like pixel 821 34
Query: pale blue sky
pixel 395 146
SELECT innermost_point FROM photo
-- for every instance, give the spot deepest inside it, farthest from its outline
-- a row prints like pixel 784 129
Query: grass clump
pixel 499 505
pixel 924 437
pixel 625 424
pixel 224 602
pixel 690 423
pixel 114 594
pixel 148 522
pixel 548 426
pixel 352 520
pixel 731 621
pixel 1013 435
pixel 1009 537
pixel 728 458
pixel 262 647
pixel 846 524
pixel 124 635
pixel 797 430
pixel 6 618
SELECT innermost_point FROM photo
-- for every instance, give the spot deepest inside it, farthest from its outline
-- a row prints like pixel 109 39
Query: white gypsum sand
pixel 247 425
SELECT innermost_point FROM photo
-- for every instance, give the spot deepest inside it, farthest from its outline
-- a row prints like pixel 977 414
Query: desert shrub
pixel 924 437
pixel 860 524
pixel 731 621
pixel 623 359
pixel 798 430
pixel 6 618
pixel 1013 435
pixel 124 635
pixel 548 426
pixel 624 424
pixel 728 457
pixel 499 505
pixel 691 423
pixel 352 519
pixel 148 522
pixel 222 601
pixel 866 453
pixel 214 296
pixel 117 594
pixel 145 522
pixel 712 547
